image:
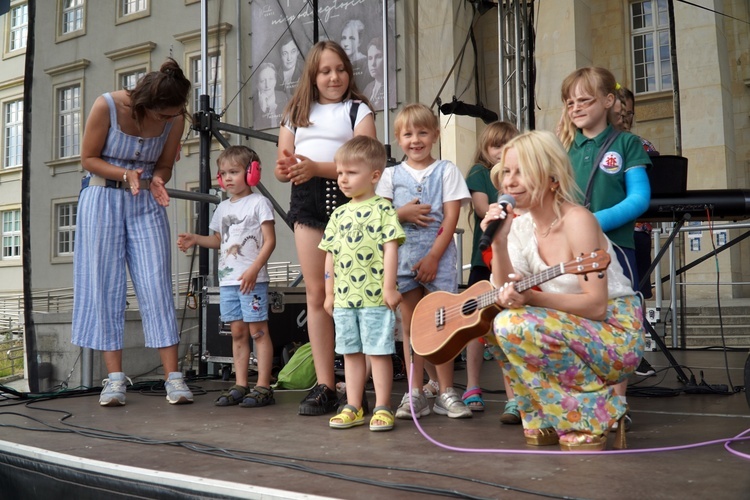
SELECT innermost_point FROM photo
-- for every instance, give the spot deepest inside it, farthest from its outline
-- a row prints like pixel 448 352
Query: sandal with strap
pixel 511 414
pixel 382 419
pixel 431 389
pixel 232 397
pixel 473 399
pixel 349 417
pixel 546 436
pixel 583 441
pixel 259 396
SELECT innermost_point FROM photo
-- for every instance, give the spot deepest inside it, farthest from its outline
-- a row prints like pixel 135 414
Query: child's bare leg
pixel 263 351
pixel 382 379
pixel 319 323
pixel 240 350
pixel 445 375
pixel 408 304
pixel 355 373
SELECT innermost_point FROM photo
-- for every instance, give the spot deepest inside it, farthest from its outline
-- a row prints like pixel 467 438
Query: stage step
pixel 703 326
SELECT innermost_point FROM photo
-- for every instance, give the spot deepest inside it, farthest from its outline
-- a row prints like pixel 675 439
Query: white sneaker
pixel 450 403
pixel 113 393
pixel 177 390
pixel 421 406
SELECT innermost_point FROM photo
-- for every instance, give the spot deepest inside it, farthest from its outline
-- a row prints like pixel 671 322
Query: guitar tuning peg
pixel 600 275
pixel 585 277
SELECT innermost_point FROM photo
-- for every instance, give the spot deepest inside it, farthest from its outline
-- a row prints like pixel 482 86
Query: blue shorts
pixel 367 329
pixel 250 308
pixel 409 254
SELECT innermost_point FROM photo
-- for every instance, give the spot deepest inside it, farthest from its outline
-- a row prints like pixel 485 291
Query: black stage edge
pixel 29 472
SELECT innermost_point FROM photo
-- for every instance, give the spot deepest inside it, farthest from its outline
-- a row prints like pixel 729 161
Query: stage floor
pixel 275 448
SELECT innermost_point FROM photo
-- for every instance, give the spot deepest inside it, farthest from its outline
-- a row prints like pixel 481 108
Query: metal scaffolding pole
pixel 514 59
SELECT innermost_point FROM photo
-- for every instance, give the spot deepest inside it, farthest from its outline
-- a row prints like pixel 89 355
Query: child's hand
pixel 328 304
pixel 185 241
pixel 426 269
pixel 283 164
pixel 303 170
pixel 392 299
pixel 416 213
pixel 247 280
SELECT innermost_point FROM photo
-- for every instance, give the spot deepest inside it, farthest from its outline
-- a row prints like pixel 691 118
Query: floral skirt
pixel 562 367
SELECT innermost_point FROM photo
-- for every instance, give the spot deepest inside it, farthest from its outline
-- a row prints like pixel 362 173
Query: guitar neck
pixel 489 298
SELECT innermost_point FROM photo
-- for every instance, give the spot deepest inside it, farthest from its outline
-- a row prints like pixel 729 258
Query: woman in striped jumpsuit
pixel 130 144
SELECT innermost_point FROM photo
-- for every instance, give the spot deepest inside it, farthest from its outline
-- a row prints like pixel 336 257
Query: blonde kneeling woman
pixel 564 346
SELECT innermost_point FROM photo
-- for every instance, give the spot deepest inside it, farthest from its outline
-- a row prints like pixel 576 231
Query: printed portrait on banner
pixel 283 33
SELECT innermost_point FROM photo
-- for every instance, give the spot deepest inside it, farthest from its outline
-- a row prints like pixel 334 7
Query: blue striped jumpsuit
pixel 114 228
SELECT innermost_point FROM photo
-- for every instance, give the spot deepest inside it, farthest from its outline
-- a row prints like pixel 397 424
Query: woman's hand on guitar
pixel 509 297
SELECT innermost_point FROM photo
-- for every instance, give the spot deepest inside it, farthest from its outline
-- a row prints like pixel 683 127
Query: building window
pixel 130 10
pixel 65 216
pixel 13 129
pixel 69 121
pixel 129 79
pixel 11 234
pixel 652 62
pixel 72 16
pixel 213 78
pixel 133 6
pixel 19 27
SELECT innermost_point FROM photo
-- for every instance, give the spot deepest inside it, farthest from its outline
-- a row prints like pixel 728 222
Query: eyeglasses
pixel 580 103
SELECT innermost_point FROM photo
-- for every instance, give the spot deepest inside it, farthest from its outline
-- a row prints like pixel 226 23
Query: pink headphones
pixel 252 175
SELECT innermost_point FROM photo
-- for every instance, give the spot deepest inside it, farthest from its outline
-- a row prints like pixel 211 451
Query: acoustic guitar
pixel 443 323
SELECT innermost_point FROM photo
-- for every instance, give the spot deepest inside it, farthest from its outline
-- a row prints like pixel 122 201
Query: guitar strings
pixel 521 285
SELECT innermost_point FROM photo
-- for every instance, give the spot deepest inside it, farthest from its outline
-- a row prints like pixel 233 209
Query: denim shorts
pixel 366 329
pixel 250 307
pixel 446 279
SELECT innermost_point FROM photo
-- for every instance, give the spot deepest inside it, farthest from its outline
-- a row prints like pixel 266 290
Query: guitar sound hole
pixel 469 307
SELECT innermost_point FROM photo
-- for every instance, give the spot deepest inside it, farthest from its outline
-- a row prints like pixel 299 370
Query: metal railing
pixel 11 358
pixel 60 300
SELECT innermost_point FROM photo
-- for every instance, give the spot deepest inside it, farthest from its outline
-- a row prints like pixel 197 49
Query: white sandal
pixel 431 389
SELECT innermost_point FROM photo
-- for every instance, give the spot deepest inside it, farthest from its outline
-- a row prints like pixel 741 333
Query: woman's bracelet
pixel 125 176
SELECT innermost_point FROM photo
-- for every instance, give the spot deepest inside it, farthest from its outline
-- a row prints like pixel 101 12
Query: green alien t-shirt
pixel 355 235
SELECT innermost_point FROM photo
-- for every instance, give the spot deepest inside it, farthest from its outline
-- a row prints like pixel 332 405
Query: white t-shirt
pixel 238 224
pixel 330 127
pixel 454 185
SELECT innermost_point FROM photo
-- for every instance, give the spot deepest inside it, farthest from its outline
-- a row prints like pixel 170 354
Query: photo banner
pixel 283 33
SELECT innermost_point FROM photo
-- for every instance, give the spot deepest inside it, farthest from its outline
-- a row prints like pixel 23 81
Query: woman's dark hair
pixel 166 88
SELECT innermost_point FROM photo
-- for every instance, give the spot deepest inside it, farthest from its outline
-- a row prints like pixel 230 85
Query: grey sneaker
pixel 113 393
pixel 421 406
pixel 177 390
pixel 450 403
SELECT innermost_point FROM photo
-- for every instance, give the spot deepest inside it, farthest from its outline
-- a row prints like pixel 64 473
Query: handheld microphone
pixel 486 239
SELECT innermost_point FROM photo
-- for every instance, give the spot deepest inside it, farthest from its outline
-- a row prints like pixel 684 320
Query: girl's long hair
pixel 297 111
pixel 599 82
pixel 496 134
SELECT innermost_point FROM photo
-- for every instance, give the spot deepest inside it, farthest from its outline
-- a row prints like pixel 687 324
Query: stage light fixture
pixel 456 107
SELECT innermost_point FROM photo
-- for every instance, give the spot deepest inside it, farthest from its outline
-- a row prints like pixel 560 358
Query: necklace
pixel 546 233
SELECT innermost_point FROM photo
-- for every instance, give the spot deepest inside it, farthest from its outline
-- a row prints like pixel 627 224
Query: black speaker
pixel 287 322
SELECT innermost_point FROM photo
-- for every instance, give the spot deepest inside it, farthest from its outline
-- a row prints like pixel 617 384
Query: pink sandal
pixel 473 399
